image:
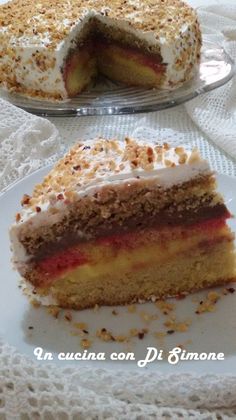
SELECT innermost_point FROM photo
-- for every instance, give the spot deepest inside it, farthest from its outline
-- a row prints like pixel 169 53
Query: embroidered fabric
pixel 29 390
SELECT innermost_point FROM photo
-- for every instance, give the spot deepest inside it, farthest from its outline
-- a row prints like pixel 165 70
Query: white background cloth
pixel 27 143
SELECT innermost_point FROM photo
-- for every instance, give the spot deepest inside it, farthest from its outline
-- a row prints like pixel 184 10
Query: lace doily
pixel 26 143
pixel 29 390
pixel 36 391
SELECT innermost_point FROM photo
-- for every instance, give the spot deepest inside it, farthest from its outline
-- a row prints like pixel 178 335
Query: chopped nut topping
pixel 133 332
pixel 104 335
pixel 18 217
pixel 77 167
pixel 131 309
pixel 165 307
pixel 114 312
pixel 166 146
pixel 68 316
pixel 168 163
pixel 194 157
pixel 85 343
pixel 25 200
pixel 208 304
pixel 81 325
pixel 179 151
pixel 183 158
pixel 177 326
pixel 35 303
pixel 148 317
pixel 121 338
pixel 54 310
pixel 32 21
pixel 160 335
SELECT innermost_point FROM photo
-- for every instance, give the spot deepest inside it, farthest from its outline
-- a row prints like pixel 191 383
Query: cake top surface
pixel 48 23
pixel 100 162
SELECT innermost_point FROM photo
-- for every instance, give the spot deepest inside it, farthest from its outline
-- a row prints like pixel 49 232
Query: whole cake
pixel 53 49
pixel 119 222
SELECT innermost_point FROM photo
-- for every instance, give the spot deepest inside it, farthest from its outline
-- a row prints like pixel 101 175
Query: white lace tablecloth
pixel 33 391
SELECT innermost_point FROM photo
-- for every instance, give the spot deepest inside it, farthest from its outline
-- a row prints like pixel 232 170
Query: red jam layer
pixel 61 261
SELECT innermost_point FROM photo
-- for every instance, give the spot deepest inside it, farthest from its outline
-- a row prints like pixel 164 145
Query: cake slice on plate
pixel 119 222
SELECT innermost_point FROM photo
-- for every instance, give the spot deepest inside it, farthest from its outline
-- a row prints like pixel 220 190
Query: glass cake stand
pixel 107 98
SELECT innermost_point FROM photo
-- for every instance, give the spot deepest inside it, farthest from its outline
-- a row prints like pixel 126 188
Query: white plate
pixel 209 332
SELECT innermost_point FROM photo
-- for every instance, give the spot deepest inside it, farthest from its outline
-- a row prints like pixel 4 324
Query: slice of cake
pixel 119 222
pixel 54 49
